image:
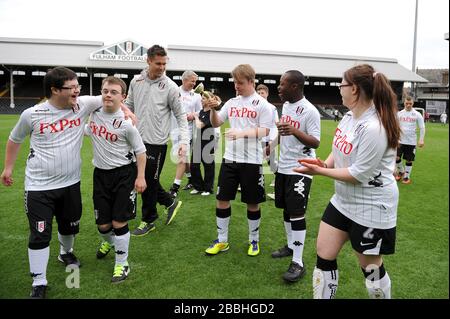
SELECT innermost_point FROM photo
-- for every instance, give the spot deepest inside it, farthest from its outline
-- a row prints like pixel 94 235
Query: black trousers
pixel 203 153
pixel 154 193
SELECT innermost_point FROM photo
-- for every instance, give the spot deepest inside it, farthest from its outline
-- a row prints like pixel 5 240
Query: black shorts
pixel 292 192
pixel 41 206
pixel 407 151
pixel 114 195
pixel 365 240
pixel 249 176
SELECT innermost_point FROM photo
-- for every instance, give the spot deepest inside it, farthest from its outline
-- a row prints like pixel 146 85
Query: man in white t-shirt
pixel 409 119
pixel 299 131
pixel 192 104
pixel 52 174
pixel 263 90
pixel 117 147
pixel 443 118
pixel 250 118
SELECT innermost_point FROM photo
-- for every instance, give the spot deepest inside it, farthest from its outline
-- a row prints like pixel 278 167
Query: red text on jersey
pixel 101 131
pixel 58 126
pixel 340 142
pixel 407 119
pixel 290 120
pixel 242 112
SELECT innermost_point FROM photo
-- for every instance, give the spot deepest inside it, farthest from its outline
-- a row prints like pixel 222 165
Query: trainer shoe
pixel 194 192
pixel 406 181
pixel 284 251
pixel 272 184
pixel 206 193
pixel 172 210
pixel 174 190
pixel 188 186
pixel 216 247
pixel 253 248
pixel 38 292
pixel 120 273
pixel 69 259
pixel 239 188
pixel 294 273
pixel 399 176
pixel 104 249
pixel 143 229
pixel 271 196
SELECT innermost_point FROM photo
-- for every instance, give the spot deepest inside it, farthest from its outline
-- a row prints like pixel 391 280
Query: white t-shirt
pixel 408 122
pixel 304 117
pixel 245 113
pixel 191 102
pixel 443 117
pixel 114 140
pixel 361 146
pixel 56 137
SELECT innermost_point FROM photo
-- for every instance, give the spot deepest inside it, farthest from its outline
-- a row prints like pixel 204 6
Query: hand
pixel 421 144
pixel 129 115
pixel 6 178
pixel 190 117
pixel 285 129
pixel 140 185
pixel 182 151
pixel 232 134
pixel 310 166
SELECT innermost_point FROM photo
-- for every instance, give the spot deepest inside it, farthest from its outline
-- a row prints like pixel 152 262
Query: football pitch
pixel 170 262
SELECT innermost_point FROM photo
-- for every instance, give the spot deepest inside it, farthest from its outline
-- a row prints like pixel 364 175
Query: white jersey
pixel 305 117
pixel 56 137
pixel 245 113
pixel 361 146
pixel 408 123
pixel 114 140
pixel 443 118
pixel 273 129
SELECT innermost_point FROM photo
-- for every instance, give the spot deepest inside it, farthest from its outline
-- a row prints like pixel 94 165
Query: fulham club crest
pixel 117 123
pixel 299 110
pixel 76 108
pixel 40 226
pixel 161 85
pixel 255 102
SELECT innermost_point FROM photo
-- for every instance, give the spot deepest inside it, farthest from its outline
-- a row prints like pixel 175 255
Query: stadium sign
pixel 125 51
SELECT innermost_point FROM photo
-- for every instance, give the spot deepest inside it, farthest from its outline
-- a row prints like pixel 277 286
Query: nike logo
pixel 365 244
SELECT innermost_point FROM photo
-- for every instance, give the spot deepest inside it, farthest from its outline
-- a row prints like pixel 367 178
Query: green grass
pixel 170 262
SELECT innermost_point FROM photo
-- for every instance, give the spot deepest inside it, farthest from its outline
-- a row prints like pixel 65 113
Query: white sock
pixel 298 242
pixel 121 244
pixel 325 283
pixel 253 229
pixel 108 237
pixel 400 168
pixel 177 182
pixel 38 259
pixel 408 170
pixel 379 289
pixel 288 229
pixel 222 229
pixel 66 243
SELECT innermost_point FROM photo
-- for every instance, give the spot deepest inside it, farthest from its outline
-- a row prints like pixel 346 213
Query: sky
pixel 376 28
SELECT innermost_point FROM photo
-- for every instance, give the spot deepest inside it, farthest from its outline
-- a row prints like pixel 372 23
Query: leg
pixel 377 281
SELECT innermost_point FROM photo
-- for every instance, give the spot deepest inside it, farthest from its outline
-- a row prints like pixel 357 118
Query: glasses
pixel 343 85
pixel 75 87
pixel 112 92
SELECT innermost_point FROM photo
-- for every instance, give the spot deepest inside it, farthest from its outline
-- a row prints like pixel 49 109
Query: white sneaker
pixel 271 196
pixel 272 184
pixel 206 194
pixel 194 192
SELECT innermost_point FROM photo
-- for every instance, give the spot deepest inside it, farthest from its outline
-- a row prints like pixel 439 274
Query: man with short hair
pixel 250 118
pixel 117 147
pixel 153 96
pixel 52 174
pixel 192 104
pixel 299 131
pixel 409 119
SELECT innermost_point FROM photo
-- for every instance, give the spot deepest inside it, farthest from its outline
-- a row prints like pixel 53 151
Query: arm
pixel 12 149
pixel 198 123
pixel 128 114
pixel 422 131
pixel 216 121
pixel 140 185
pixel 257 132
pixel 286 129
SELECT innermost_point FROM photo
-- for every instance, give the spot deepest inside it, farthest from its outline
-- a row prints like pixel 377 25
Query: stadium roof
pixel 129 54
